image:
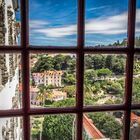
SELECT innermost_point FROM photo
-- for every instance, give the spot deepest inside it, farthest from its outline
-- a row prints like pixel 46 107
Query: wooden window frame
pixel 25 49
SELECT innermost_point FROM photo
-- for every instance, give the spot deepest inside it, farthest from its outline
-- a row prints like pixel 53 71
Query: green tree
pixel 44 63
pixel 90 75
pixel 109 62
pixel 136 90
pixel 68 79
pixel 71 90
pixel 43 92
pixel 107 124
pixel 104 72
pixel 60 127
pixel 114 88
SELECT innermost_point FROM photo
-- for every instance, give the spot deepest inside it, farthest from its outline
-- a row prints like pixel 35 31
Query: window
pixel 125 110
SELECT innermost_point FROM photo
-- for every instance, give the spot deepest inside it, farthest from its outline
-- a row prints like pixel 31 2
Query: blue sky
pixel 54 22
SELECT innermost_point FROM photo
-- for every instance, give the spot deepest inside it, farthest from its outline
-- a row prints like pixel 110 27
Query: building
pixel 10 128
pixel 135 127
pixel 57 95
pixel 92 132
pixel 48 78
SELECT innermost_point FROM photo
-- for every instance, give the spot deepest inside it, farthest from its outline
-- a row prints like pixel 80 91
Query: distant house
pixel 48 78
pixel 58 95
pixel 55 95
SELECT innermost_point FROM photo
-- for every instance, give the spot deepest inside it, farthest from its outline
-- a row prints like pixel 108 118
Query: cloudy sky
pixel 54 22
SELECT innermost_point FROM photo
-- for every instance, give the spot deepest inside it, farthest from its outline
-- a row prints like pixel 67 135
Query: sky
pixel 54 22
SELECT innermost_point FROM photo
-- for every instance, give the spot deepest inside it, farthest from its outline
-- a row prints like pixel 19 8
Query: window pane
pixel 11 128
pixel 135 125
pixel 103 125
pixel 10 79
pixel 53 22
pixel 104 79
pixel 53 80
pixel 137 34
pixel 136 80
pixel 106 23
pixel 53 127
pixel 9 22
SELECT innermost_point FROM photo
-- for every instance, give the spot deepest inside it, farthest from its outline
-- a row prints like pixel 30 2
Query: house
pixel 48 78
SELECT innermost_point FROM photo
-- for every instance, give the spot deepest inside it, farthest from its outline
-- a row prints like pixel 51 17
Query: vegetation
pixel 104 83
pixel 62 126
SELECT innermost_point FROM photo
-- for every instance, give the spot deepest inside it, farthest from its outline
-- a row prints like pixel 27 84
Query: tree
pixel 70 90
pixel 58 127
pixel 104 72
pixel 114 88
pixel 44 63
pixel 43 92
pixel 90 75
pixel 136 90
pixel 61 126
pixel 109 62
pixel 68 79
pixel 106 124
pixel 119 66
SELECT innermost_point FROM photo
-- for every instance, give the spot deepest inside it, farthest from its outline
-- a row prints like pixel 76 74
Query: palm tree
pixel 43 92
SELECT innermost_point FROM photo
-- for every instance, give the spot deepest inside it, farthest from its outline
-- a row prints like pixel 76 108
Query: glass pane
pixel 10 81
pixel 106 23
pixel 53 127
pixel 53 22
pixel 11 128
pixel 53 80
pixel 136 80
pixel 137 34
pixel 103 125
pixel 9 22
pixel 104 79
pixel 135 125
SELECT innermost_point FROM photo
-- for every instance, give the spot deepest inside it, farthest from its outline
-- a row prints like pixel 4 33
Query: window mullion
pixel 25 68
pixel 80 67
pixel 129 68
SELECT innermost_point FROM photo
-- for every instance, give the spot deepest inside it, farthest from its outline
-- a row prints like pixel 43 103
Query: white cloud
pixel 97 8
pixel 113 25
pixel 37 23
pixel 58 32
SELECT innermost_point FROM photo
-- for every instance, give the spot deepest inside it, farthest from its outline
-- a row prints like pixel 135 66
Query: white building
pixel 10 128
pixel 48 78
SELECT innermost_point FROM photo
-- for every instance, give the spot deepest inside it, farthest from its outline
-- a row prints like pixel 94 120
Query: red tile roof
pixel 135 117
pixel 91 128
